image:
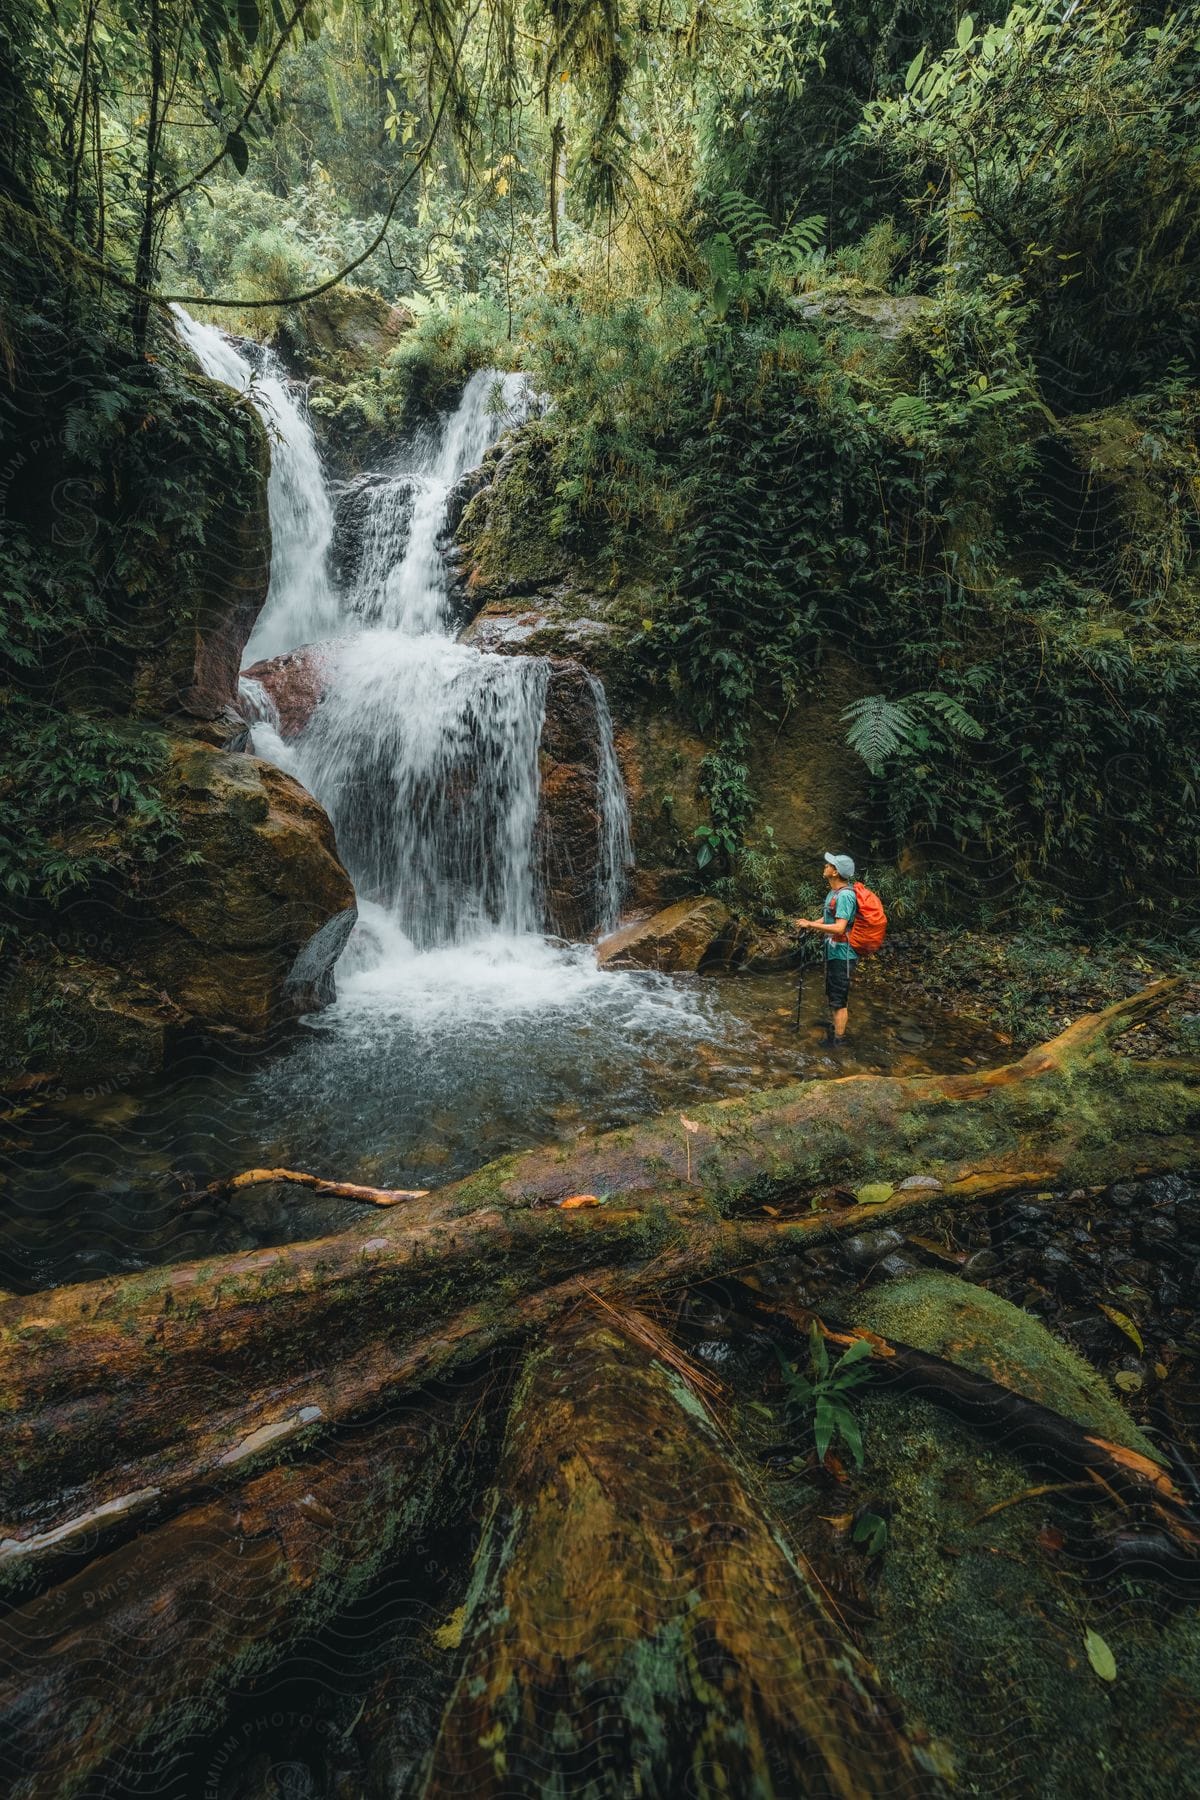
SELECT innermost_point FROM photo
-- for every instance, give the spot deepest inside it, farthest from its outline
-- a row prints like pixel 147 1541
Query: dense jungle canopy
pixel 864 327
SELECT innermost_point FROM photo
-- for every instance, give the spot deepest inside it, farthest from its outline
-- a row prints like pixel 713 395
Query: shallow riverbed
pixel 427 1067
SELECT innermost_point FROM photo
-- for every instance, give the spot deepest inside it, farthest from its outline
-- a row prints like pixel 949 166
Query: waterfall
pixel 425 754
pixel 616 839
pixel 424 751
pixel 301 603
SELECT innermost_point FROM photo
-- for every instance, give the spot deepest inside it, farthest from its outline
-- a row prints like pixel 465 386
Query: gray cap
pixel 843 864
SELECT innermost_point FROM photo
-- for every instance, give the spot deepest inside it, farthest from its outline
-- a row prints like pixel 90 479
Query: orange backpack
pixel 869 929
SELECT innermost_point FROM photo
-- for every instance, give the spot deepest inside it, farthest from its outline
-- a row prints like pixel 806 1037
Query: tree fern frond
pixel 876 727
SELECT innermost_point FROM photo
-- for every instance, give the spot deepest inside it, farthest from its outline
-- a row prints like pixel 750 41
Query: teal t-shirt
pixel 839 905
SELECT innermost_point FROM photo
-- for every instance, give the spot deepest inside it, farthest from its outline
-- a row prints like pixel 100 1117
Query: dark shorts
pixel 837 982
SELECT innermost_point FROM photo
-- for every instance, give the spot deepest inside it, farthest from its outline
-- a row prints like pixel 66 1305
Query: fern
pixel 878 727
pixel 951 713
pixel 743 220
pixel 797 245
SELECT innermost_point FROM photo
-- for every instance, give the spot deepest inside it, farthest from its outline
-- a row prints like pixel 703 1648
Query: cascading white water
pixel 616 840
pixel 416 587
pixel 302 604
pixel 424 751
pixel 425 754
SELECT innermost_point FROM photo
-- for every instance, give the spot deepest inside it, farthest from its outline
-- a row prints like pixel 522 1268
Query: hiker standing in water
pixel 841 906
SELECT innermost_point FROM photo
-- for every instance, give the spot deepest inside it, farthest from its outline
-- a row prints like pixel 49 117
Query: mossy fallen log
pixel 137 1393
pixel 632 1607
pixel 1024 1427
pixel 108 1669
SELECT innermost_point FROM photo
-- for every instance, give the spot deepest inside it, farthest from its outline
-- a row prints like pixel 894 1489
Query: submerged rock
pixel 680 938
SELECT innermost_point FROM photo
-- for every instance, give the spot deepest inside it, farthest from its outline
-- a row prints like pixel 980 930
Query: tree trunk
pixel 633 1609
pixel 105 1670
pixel 1036 1433
pixel 137 1392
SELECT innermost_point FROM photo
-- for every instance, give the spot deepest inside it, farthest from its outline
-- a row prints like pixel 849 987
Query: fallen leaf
pixel 1099 1655
pixel 575 1200
pixel 1160 1369
pixel 839 1521
pixel 1124 1323
pixel 931 1247
pixel 874 1193
pixel 688 1124
pixel 449 1635
pixel 771 1211
pixel 1051 1538
pixel 835 1467
pixel 1128 1381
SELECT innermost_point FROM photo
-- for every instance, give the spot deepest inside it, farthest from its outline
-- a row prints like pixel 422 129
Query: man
pixel 840 908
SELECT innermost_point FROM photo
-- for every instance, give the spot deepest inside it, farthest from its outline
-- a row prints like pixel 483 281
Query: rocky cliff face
pixel 233 926
pixel 521 596
pixel 194 672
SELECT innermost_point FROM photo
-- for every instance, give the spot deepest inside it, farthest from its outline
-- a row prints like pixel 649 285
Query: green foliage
pixel 78 800
pixel 119 468
pixel 878 727
pixel 871 1532
pixel 1057 146
pixel 821 1396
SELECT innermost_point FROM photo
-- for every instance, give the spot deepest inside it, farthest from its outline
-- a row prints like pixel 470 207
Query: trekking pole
pixel 800 981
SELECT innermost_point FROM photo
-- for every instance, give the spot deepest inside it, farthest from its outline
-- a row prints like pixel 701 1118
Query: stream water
pixel 462 1028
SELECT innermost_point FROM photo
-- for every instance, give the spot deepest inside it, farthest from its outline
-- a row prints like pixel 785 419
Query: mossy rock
pixel 81 1022
pixel 979 1625
pixel 981 1331
pixel 345 332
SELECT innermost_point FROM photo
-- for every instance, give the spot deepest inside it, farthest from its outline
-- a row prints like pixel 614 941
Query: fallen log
pixel 1022 1426
pixel 631 1607
pixel 103 1672
pixel 138 1392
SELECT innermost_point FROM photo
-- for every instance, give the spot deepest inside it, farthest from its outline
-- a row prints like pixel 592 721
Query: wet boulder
pixel 252 912
pixel 345 332
pixel 235 933
pixel 681 938
pixel 294 685
pixel 982 1331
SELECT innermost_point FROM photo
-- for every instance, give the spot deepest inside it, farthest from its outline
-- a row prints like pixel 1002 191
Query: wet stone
pixel 896 1266
pixel 982 1265
pixel 870 1246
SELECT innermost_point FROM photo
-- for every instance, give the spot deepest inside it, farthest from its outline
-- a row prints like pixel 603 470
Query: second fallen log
pixel 632 1607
